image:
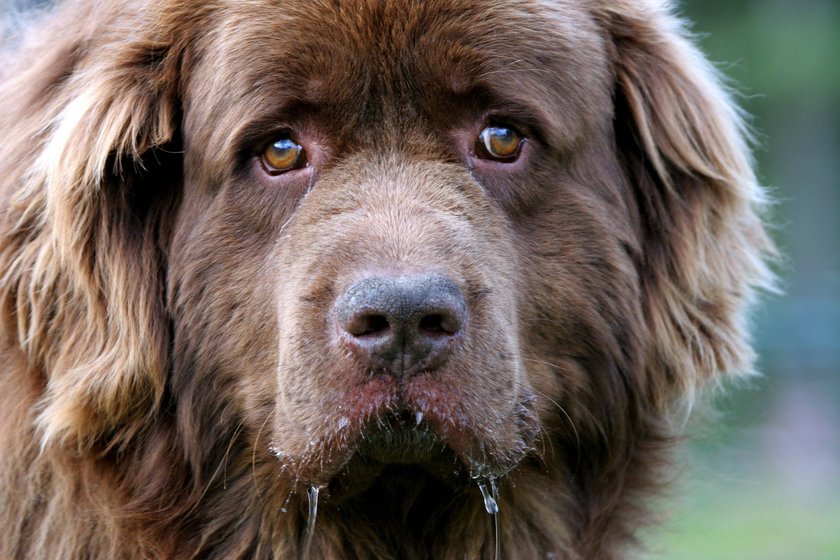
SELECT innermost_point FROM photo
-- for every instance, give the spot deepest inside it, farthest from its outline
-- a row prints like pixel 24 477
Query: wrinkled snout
pixel 401 324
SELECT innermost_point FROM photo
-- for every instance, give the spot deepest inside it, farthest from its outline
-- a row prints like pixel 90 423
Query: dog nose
pixel 403 324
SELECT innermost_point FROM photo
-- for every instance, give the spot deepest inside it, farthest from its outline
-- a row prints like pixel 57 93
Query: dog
pixel 361 278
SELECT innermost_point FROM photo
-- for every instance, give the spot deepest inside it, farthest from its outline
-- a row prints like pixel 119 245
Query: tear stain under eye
pixel 491 505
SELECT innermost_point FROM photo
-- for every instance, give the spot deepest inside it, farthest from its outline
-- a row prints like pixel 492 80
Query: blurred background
pixel 764 476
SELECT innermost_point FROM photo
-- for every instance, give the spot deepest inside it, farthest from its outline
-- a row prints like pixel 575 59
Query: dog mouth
pixel 410 427
pixel 402 439
pixel 403 475
pixel 400 447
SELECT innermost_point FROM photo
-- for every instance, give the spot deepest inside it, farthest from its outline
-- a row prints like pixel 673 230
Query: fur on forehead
pixel 352 57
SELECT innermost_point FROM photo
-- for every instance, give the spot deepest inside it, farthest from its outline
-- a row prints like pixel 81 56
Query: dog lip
pixel 403 435
pixel 401 441
pixel 396 442
pixel 418 430
pixel 416 421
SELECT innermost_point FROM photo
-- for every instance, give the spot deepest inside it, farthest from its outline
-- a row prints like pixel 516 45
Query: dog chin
pixel 398 450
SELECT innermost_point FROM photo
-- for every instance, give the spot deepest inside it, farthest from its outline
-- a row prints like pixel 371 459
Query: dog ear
pixel 82 273
pixel 705 251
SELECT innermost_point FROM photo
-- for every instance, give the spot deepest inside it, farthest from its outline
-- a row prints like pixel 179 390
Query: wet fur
pixel 162 310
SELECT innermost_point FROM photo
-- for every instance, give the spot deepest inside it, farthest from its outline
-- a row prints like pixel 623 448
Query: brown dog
pixel 375 255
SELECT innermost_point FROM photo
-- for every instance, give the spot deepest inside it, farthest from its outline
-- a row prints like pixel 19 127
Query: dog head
pixel 455 234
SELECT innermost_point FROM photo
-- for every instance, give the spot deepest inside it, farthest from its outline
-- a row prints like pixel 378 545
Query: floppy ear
pixel 704 247
pixel 81 242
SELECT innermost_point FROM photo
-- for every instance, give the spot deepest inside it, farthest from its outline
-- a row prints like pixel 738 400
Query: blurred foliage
pixel 765 484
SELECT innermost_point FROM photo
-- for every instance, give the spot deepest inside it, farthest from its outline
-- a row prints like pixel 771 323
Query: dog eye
pixel 282 155
pixel 499 143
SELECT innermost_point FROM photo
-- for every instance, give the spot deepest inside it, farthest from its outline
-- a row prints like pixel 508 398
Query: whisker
pixel 254 458
pixel 222 464
pixel 227 451
pixel 578 448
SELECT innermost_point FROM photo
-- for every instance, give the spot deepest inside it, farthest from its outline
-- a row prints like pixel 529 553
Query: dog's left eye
pixel 499 143
pixel 282 155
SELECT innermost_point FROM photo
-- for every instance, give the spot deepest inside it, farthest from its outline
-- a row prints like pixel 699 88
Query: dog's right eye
pixel 282 155
pixel 499 143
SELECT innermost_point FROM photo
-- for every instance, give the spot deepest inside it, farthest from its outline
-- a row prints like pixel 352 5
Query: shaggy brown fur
pixel 173 378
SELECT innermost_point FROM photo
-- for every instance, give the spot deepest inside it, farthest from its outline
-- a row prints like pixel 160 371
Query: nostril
pixel 368 325
pixel 439 324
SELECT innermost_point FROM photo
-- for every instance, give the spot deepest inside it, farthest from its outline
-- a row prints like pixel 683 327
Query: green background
pixel 763 480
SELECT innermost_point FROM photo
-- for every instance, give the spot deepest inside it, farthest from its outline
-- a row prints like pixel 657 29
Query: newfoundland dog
pixel 349 279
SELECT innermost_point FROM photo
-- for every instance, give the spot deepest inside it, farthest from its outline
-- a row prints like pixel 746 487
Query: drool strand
pixel 310 521
pixel 491 505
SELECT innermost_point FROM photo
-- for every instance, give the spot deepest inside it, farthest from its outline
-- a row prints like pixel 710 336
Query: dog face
pixel 392 121
pixel 376 246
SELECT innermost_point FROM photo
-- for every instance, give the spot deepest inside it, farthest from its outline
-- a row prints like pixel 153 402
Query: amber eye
pixel 283 154
pixel 499 143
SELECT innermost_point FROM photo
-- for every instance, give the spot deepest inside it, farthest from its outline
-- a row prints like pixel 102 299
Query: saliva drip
pixel 310 522
pixel 491 505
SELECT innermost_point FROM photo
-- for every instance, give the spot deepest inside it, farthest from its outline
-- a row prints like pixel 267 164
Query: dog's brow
pixel 315 92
